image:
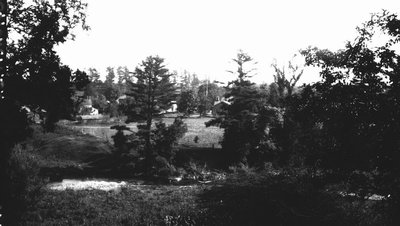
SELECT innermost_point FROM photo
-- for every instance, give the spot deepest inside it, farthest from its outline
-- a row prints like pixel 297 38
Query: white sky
pixel 203 36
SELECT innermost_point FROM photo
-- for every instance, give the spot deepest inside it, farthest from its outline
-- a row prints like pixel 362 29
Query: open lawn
pixel 243 199
pixel 208 137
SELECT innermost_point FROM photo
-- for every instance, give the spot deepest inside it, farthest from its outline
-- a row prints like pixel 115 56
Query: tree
pixel 189 81
pixel 123 77
pixel 94 75
pixel 80 80
pixel 152 93
pixel 188 98
pixel 187 102
pixel 207 94
pixel 33 76
pixel 34 66
pixel 246 118
pixel 110 89
pixel 283 86
pixel 353 113
pixel 110 76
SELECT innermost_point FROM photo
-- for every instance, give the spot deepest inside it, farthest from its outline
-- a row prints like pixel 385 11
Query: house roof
pixel 87 102
pixel 222 102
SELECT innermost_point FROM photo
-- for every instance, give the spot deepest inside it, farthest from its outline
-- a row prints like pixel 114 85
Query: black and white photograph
pixel 200 112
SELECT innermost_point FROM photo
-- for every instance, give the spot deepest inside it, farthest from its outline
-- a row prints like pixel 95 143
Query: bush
pixel 164 138
pixel 23 181
pixel 163 141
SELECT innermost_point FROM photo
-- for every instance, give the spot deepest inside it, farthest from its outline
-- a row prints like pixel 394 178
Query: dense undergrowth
pixel 246 197
pixel 239 195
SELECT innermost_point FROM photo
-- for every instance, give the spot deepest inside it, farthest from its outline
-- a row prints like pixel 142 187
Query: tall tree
pixel 94 75
pixel 110 89
pixel 242 132
pixel 124 75
pixel 110 76
pixel 357 104
pixel 285 84
pixel 187 102
pixel 208 92
pixel 152 93
pixel 35 76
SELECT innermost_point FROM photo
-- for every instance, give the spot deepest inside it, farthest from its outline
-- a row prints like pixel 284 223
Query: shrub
pixel 23 181
pixel 164 138
pixel 163 141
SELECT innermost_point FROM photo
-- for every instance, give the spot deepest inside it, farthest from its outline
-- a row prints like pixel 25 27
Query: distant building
pixel 123 97
pixel 173 108
pixel 87 108
pixel 219 107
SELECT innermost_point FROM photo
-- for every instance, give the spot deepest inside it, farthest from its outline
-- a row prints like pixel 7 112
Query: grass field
pixel 208 137
pixel 244 196
pixel 244 199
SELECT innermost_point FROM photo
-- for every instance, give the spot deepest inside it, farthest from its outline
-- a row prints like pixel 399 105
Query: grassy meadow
pixel 208 137
pixel 234 196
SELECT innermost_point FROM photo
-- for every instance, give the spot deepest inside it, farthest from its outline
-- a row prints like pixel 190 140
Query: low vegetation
pixel 235 196
pixel 321 154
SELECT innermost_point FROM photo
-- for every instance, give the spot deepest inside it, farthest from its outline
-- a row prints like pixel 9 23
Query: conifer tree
pixel 241 131
pixel 152 93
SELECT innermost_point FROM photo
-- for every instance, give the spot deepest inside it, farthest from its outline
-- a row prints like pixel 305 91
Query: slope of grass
pixel 207 137
pixel 255 198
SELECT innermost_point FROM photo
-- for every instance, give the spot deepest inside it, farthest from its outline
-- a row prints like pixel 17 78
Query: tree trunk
pixel 148 150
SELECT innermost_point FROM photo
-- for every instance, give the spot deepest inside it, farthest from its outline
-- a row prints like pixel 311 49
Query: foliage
pixel 166 137
pixel 124 76
pixel 120 139
pixel 22 184
pixel 283 87
pixel 94 75
pixel 187 102
pixel 132 205
pixel 34 66
pixel 349 121
pixel 245 123
pixel 208 93
pixel 163 140
pixel 356 104
pixel 34 78
pixel 152 93
pixel 14 128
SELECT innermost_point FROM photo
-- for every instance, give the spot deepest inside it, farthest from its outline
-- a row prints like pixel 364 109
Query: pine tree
pixel 241 134
pixel 152 93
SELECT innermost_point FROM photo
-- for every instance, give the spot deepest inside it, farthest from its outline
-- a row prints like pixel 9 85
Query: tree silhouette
pixel 242 133
pixel 36 77
pixel 152 93
pixel 33 76
pixel 356 105
pixel 283 84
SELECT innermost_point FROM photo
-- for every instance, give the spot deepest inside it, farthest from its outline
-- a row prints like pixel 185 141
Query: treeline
pixel 346 125
pixel 109 96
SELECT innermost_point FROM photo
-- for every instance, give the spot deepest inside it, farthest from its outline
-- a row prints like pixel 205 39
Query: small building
pixel 173 108
pixel 123 97
pixel 87 108
pixel 220 107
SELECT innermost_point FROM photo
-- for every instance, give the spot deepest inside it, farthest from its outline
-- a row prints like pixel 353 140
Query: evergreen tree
pixel 152 93
pixel 208 93
pixel 243 124
pixel 187 102
pixel 94 75
pixel 110 77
